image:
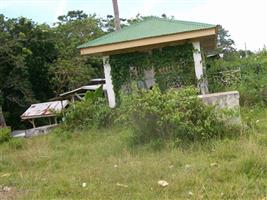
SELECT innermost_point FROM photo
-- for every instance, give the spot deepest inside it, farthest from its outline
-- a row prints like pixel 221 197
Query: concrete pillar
pixel 109 85
pixel 202 83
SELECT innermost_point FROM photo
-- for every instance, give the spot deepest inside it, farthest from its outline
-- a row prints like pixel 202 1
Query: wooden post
pixel 202 82
pixel 32 122
pixel 116 15
pixel 109 85
pixel 2 119
pixel 72 99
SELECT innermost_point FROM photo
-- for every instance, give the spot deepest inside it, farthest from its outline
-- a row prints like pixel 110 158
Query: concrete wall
pixel 43 130
pixel 225 100
pixel 222 100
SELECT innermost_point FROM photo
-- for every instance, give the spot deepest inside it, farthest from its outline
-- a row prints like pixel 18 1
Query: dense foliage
pixel 39 61
pixel 178 115
pixel 248 75
pixel 93 112
pixel 152 115
pixel 4 135
pixel 172 66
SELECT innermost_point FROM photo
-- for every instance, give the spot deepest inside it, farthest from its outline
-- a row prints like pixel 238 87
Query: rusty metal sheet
pixel 46 109
pixel 86 87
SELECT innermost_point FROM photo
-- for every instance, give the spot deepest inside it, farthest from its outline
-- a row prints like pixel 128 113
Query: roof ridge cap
pixel 181 21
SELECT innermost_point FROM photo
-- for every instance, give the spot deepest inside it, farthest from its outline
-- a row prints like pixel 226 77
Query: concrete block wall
pixel 222 99
pixel 225 100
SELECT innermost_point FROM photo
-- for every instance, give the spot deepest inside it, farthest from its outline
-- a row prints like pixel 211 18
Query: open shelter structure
pixel 153 33
pixel 44 110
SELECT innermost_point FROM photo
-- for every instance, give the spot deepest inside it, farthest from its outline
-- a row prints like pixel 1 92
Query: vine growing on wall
pixel 173 66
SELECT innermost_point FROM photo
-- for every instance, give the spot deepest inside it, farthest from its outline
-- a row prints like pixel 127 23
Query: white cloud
pixel 147 7
pixel 246 20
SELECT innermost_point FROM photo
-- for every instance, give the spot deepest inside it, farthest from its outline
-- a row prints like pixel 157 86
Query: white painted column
pixel 109 85
pixel 202 83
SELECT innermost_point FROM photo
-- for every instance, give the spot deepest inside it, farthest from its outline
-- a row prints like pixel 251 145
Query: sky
pixel 246 20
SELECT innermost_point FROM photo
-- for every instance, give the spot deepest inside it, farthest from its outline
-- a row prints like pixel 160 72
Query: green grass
pixel 53 167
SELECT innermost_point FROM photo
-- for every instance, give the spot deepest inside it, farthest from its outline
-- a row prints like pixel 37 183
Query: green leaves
pixel 38 61
pixel 70 70
pixel 69 74
pixel 92 97
pixel 170 115
pixel 172 65
pixel 93 112
pixel 5 135
pixel 225 43
pixel 247 75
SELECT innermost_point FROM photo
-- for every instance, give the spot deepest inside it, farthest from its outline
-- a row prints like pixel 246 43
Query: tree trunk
pixel 2 119
pixel 117 15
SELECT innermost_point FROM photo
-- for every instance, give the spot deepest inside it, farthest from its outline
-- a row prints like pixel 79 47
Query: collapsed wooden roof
pixel 46 109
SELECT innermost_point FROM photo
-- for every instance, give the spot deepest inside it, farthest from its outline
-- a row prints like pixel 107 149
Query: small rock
pixel 84 184
pixel 163 183
pixel 257 121
pixel 187 166
pixel 222 194
pixel 190 193
pixel 171 166
pixel 6 175
pixel 121 185
pixel 115 166
pixel 214 164
pixel 6 189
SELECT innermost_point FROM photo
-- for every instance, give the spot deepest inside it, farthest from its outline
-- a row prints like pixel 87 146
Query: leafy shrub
pixel 174 114
pixel 247 75
pixel 93 112
pixel 4 135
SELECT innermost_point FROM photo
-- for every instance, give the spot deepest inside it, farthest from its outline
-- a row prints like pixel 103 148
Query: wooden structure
pixel 47 110
pixel 150 34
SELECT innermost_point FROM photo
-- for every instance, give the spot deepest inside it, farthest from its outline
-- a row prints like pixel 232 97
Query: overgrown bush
pixel 247 75
pixel 92 112
pixel 4 135
pixel 178 115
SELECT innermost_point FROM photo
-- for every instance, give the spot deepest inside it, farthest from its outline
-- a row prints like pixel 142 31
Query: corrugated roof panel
pixel 44 109
pixel 86 87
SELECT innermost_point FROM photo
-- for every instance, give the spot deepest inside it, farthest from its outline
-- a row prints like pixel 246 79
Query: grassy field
pixel 100 165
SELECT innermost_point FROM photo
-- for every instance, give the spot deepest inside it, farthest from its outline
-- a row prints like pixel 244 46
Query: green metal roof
pixel 151 27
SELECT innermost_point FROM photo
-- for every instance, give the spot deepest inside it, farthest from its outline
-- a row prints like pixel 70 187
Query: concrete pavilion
pixel 150 34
